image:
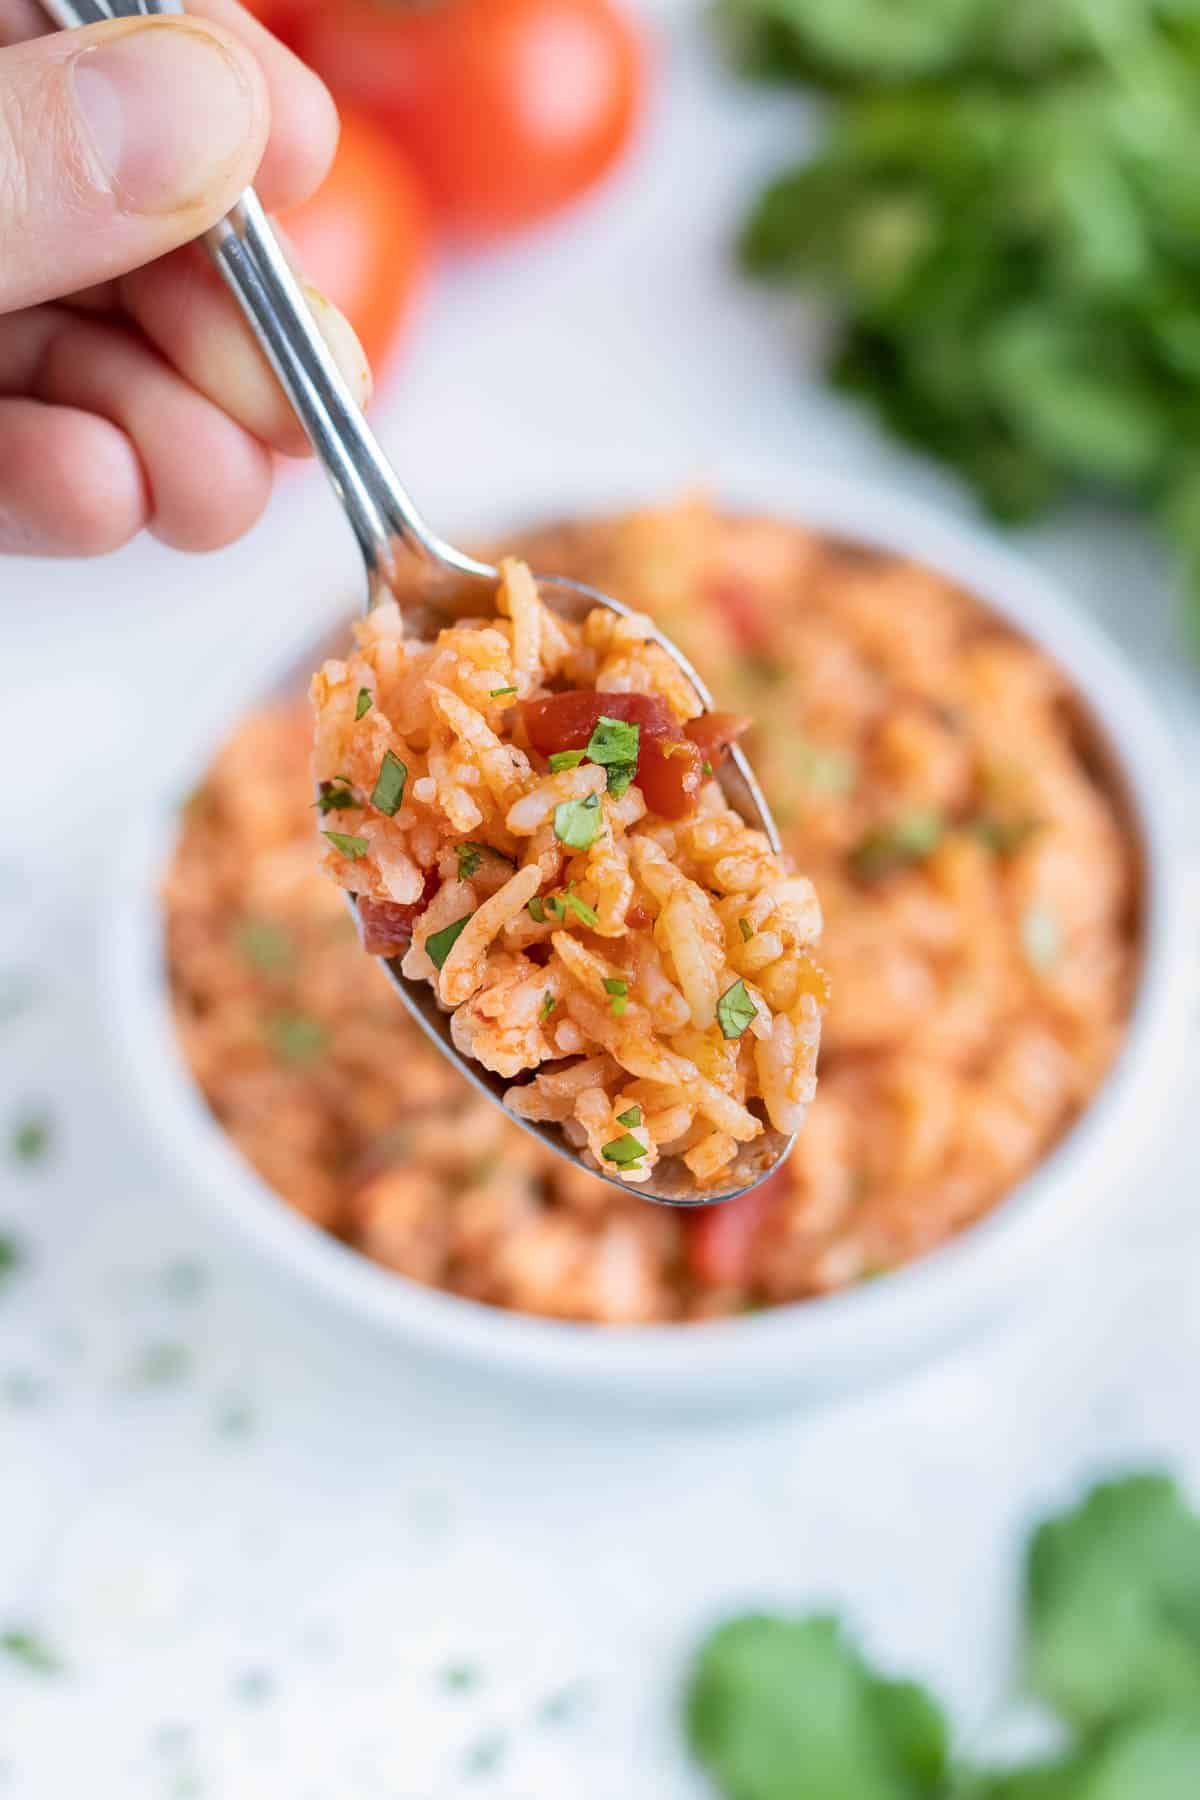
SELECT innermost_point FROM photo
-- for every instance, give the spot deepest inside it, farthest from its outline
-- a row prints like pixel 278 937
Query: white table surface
pixel 267 1614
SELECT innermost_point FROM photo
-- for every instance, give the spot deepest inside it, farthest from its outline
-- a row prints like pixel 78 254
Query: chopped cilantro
pixel 565 759
pixel 580 908
pixel 162 1362
pixel 497 692
pixel 614 745
pixel 353 847
pixel 12 1255
pixel 624 1151
pixel 706 767
pixel 265 945
pixel 746 929
pixel 440 943
pixel 25 1646
pixel 470 855
pixel 296 1040
pixel 389 789
pixel 897 845
pixel 547 1007
pixel 735 1009
pixel 461 1677
pixel 618 990
pixel 631 1118
pixel 333 797
pixel 31 1137
pixel 537 910
pixel 364 703
pixel 578 823
pixel 1004 836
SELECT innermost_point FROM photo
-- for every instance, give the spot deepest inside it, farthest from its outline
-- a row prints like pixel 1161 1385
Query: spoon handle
pixel 247 252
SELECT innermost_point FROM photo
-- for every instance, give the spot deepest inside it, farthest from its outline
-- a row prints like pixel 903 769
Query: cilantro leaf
pixel 631 1118
pixel 364 703
pixel 565 759
pixel 787 1709
pixel 905 840
pixel 1113 1598
pixel 583 912
pixel 296 1041
pixel 735 1010
pixel 439 944
pixel 625 1151
pixel 27 1647
pixel 578 823
pixel 389 789
pixel 335 797
pixel 353 847
pixel 614 745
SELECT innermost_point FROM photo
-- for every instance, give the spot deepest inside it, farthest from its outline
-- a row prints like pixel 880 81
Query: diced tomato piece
pixel 567 721
pixel 386 925
pixel 670 775
pixel 670 764
pixel 715 733
pixel 721 1240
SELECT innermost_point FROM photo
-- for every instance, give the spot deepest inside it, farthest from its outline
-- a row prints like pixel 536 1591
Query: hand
pixel 131 393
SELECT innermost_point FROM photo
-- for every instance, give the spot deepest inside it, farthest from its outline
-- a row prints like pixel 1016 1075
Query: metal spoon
pixel 430 578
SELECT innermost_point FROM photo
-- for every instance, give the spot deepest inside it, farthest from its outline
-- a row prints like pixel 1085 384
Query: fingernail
pixel 166 112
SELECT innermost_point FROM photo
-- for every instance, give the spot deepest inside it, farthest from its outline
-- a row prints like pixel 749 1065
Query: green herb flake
pixel 470 856
pixel 296 1040
pixel 631 1118
pixel 618 992
pixel 265 945
pixel 897 845
pixel 364 703
pixel 578 823
pixel 1003 836
pixel 735 1010
pixel 614 745
pixel 440 943
pixel 746 929
pixel 254 1687
pixel 583 912
pixel 547 1007
pixel 12 1255
pixel 27 1647
pixel 565 759
pixel 389 788
pixel 706 767
pixel 537 910
pixel 623 1151
pixel 353 847
pixel 496 693
pixel 461 1678
pixel 162 1362
pixel 32 1136
pixel 1041 938
pixel 333 797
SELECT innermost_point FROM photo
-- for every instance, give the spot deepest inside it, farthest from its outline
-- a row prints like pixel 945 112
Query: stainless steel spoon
pixel 430 578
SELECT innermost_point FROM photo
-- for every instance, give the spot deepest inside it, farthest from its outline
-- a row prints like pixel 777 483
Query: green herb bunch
pixel 788 1708
pixel 1005 217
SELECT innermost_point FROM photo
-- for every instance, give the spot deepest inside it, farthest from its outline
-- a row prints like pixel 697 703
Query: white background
pixel 269 1616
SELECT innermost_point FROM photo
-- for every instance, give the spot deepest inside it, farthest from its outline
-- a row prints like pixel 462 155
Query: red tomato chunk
pixel 670 764
pixel 721 1240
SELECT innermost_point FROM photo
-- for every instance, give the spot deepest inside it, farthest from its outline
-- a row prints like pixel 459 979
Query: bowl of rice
pixel 986 804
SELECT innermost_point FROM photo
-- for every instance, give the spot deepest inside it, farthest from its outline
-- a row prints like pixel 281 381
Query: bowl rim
pixel 940 1291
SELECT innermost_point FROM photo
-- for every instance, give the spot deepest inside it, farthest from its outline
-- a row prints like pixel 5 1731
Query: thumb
pixel 117 144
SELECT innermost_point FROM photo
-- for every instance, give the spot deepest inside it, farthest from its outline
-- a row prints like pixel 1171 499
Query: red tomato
pixel 670 765
pixel 363 237
pixel 509 108
pixel 720 1240
pixel 567 721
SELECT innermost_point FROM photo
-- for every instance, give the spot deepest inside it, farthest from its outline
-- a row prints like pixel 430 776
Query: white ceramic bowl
pixel 820 1348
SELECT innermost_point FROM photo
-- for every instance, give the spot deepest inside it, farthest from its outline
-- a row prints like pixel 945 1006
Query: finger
pixel 183 307
pixel 117 144
pixel 70 483
pixel 304 121
pixel 207 479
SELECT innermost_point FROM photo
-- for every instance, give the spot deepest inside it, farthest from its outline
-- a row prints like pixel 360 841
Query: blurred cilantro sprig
pixel 1005 219
pixel 789 1709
